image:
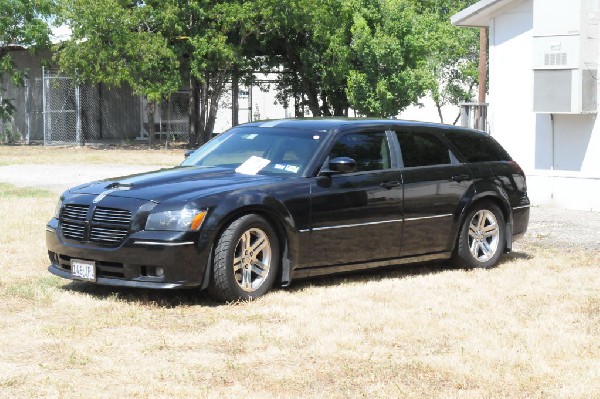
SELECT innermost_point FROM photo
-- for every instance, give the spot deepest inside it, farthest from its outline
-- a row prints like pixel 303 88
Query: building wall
pixel 560 153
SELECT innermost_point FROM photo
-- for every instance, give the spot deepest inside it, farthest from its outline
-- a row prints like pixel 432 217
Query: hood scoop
pixel 119 186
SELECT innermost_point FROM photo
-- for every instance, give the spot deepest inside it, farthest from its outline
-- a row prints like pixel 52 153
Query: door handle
pixel 390 184
pixel 459 178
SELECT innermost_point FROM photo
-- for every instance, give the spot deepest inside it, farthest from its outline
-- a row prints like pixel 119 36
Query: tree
pixel 22 24
pixel 116 42
pixel 389 57
pixel 155 46
pixel 452 61
pixel 309 41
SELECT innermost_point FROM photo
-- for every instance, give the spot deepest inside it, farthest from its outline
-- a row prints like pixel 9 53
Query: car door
pixel 434 183
pixel 356 217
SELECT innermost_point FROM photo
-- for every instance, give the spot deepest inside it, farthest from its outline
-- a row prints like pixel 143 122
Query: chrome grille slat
pixel 73 231
pixel 111 216
pixel 75 212
pixel 108 226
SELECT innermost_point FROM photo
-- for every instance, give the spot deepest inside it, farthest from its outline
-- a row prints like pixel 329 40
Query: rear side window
pixel 477 147
pixel 422 149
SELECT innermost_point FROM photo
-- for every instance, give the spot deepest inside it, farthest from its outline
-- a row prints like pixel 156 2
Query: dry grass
pixel 127 155
pixel 528 328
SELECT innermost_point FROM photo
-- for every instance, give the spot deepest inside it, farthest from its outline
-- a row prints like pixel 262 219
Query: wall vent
pixel 554 59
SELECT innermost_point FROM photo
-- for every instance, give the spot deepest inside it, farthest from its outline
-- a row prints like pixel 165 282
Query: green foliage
pixel 376 56
pixel 117 42
pixel 389 72
pixel 8 135
pixel 453 57
pixel 22 23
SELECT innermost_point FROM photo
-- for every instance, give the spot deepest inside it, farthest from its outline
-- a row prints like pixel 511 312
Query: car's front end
pixel 119 241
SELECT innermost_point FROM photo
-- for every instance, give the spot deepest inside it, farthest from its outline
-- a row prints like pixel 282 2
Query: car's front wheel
pixel 246 260
pixel 482 237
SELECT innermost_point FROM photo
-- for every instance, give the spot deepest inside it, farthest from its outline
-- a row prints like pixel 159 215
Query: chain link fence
pixel 76 114
pixel 52 108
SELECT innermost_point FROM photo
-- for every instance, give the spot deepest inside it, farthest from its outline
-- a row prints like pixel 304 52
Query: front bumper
pixel 182 258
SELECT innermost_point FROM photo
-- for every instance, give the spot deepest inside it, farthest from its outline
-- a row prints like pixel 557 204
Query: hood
pixel 180 183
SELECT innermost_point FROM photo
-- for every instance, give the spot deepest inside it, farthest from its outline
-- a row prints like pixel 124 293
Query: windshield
pixel 256 150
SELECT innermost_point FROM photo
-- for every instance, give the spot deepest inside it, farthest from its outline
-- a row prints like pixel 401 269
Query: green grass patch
pixel 11 191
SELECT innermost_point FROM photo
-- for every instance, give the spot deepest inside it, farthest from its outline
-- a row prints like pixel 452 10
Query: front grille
pixel 112 216
pixel 108 226
pixel 73 221
pixel 107 235
pixel 75 212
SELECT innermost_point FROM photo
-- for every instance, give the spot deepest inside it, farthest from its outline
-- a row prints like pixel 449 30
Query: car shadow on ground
pixel 195 297
pixel 395 271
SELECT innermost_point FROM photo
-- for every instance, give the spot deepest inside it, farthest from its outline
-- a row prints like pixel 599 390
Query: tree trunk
pixel 203 110
pixel 235 103
pixel 193 114
pixel 439 110
pixel 325 107
pixel 150 110
pixel 217 89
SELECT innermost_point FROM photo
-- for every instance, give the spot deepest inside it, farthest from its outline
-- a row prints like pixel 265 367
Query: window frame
pixel 391 141
pixel 433 132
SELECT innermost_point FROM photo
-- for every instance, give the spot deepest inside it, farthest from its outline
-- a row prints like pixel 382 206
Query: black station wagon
pixel 267 202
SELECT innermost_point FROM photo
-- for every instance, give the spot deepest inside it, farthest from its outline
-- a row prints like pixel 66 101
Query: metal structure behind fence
pixel 53 108
pixel 62 109
pixel 474 116
pixel 76 114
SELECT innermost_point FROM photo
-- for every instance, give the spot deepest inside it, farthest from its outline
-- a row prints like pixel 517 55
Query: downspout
pixel 553 138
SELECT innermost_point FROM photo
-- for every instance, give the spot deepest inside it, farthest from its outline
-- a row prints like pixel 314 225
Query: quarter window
pixel 422 149
pixel 477 147
pixel 370 150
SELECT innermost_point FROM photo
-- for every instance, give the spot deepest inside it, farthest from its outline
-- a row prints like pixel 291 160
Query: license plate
pixel 83 270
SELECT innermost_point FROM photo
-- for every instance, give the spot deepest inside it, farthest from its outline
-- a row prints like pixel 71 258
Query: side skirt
pixel 320 271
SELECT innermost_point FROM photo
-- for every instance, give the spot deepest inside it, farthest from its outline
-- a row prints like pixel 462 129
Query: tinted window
pixel 370 150
pixel 422 149
pixel 477 147
pixel 278 151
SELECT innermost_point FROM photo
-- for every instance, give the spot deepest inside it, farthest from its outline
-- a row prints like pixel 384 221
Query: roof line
pixel 460 17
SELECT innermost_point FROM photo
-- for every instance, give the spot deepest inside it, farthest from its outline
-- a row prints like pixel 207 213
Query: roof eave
pixel 478 15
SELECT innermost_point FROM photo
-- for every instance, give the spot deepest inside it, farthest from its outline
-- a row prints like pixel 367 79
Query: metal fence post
pixel 27 113
pixel 77 115
pixel 44 104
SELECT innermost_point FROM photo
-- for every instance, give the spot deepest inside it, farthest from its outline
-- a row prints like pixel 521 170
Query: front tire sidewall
pixel 224 285
pixel 463 256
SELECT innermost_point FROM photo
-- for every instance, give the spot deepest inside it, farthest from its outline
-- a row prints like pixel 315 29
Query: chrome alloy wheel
pixel 484 235
pixel 252 259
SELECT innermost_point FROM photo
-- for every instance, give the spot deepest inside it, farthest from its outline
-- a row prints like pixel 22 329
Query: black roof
pixel 326 124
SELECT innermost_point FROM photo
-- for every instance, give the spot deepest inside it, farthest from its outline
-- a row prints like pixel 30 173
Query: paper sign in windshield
pixel 252 166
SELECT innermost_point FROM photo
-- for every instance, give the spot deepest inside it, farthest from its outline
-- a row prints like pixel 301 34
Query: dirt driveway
pixel 548 226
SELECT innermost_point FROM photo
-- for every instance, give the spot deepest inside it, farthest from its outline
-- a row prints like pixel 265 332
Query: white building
pixel 543 70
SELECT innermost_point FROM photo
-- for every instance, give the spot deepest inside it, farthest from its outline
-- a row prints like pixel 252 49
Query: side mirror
pixel 188 153
pixel 342 165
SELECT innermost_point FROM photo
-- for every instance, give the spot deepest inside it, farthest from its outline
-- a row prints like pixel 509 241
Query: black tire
pixel 482 237
pixel 246 260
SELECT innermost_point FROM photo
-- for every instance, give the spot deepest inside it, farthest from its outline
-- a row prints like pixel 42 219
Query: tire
pixel 245 261
pixel 481 240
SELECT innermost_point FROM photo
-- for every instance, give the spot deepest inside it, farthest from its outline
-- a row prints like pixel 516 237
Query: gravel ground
pixel 547 225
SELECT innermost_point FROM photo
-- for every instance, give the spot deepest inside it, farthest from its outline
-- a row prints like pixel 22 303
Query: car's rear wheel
pixel 482 237
pixel 246 260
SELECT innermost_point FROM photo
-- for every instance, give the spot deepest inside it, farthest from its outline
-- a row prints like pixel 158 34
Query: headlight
pixel 186 219
pixel 58 208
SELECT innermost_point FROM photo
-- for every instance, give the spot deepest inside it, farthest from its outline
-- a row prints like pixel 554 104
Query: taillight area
pixel 517 167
